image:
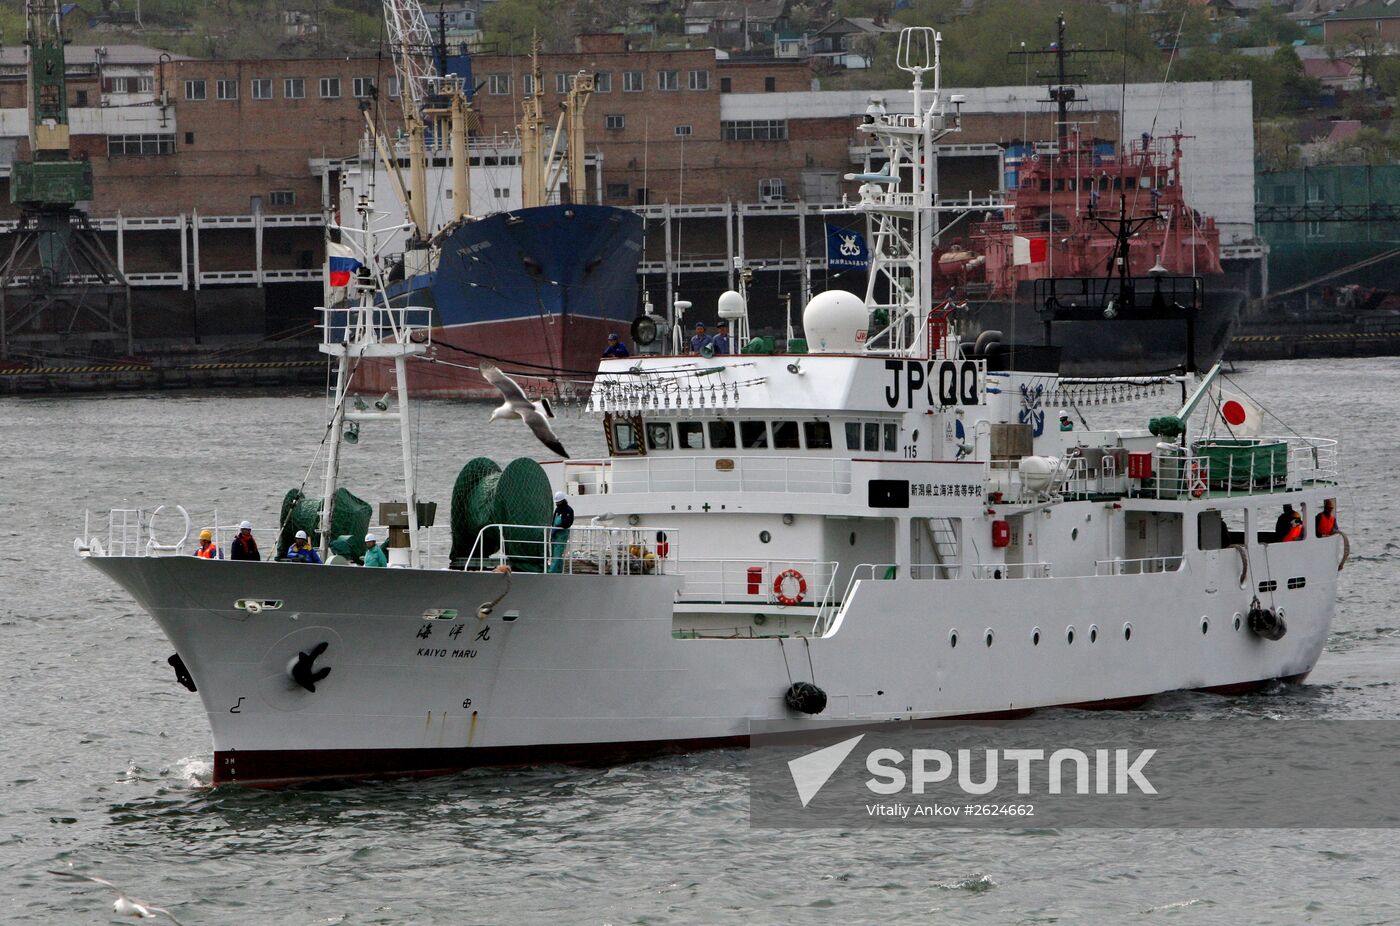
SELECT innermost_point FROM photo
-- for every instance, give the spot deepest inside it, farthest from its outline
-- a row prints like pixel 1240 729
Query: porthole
pixel 853 538
pixel 1074 534
pixel 953 638
pixel 1127 631
pixel 988 637
pixel 1069 635
pixel 764 536
pixel 1205 624
pixel 1035 637
pixel 1093 633
pixel 1238 622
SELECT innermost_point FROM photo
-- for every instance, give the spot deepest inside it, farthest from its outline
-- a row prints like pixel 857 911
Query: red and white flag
pixel 1241 416
pixel 1028 250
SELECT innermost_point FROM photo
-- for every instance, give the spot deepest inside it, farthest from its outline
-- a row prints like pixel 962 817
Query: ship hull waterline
pixel 585 669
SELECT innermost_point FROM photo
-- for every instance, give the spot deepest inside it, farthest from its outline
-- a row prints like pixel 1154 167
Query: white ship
pixel 885 527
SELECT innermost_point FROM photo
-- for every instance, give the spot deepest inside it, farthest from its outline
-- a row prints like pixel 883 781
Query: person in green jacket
pixel 374 553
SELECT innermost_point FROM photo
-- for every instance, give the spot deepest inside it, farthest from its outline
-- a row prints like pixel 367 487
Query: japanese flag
pixel 1241 416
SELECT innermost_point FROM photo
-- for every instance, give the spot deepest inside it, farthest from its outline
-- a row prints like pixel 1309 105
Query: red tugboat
pixel 1066 207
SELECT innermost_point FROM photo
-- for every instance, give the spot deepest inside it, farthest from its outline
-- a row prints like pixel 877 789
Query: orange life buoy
pixel 1198 480
pixel 783 598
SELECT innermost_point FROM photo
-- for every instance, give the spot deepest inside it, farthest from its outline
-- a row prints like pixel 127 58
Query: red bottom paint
pixel 549 348
pixel 277 768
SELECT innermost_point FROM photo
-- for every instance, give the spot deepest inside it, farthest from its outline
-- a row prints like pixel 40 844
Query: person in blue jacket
pixel 301 550
pixel 559 537
pixel 615 347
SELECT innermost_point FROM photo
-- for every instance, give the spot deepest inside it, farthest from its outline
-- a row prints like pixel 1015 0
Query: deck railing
pixel 577 551
pixel 1137 567
pixel 804 583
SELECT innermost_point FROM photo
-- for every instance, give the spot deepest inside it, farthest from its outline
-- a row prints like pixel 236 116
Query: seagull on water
pixel 536 415
pixel 124 905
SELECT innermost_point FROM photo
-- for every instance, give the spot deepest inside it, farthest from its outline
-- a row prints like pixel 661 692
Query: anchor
pixel 301 670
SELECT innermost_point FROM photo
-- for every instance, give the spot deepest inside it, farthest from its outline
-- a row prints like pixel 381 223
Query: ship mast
pixel 1061 93
pixel 371 330
pixel 904 226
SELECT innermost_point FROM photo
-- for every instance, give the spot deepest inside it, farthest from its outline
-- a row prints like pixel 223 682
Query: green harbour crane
pixel 61 293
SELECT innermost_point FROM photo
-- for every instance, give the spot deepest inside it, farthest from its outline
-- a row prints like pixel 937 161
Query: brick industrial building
pixel 213 177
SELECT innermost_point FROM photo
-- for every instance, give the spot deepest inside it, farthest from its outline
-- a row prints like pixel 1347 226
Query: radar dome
pixel 835 322
pixel 731 305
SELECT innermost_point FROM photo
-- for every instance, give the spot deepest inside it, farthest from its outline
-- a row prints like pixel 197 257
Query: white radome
pixel 835 322
pixel 731 305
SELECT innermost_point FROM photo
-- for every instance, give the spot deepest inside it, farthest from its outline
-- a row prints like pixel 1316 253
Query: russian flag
pixel 341 264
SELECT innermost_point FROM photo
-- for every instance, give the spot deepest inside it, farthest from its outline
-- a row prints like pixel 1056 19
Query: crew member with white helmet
pixel 244 546
pixel 559 536
pixel 374 553
pixel 1065 423
pixel 301 550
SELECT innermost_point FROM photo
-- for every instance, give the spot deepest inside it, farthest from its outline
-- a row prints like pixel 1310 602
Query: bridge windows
pixel 690 435
pixel 785 436
pixel 753 435
pixel 721 435
pixel 818 434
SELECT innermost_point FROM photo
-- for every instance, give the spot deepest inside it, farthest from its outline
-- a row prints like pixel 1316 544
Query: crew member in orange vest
pixel 1295 530
pixel 207 549
pixel 1327 519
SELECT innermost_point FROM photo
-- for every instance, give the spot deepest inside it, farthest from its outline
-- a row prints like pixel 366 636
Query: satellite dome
pixel 731 305
pixel 835 322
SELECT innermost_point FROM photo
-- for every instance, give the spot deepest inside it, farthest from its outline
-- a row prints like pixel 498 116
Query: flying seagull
pixel 124 905
pixel 535 414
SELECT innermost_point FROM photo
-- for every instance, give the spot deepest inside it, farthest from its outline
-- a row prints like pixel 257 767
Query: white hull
pixel 589 669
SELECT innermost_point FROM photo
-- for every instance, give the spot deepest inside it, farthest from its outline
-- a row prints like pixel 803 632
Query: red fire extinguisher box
pixel 1140 464
pixel 1001 533
pixel 755 583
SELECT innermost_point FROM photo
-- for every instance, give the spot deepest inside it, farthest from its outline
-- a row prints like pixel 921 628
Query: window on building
pixel 772 190
pixel 1314 229
pixel 721 435
pixel 602 82
pixel 137 145
pixel 668 80
pixel 226 89
pixel 498 84
pixel 699 80
pixel 615 121
pixel 127 84
pixel 527 84
pixel 818 434
pixel 690 435
pixel 726 85
pixel 393 86
pixel 643 196
pixel 632 82
pixel 561 82
pixel 282 198
pixel 501 192
pixel 195 90
pixel 618 190
pixel 294 88
pixel 755 130
pixel 770 84
pixel 189 138
pixel 363 87
pixel 260 88
pixel 330 88
pixel 683 131
pixel 80 98
pixel 785 436
pixel 753 435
